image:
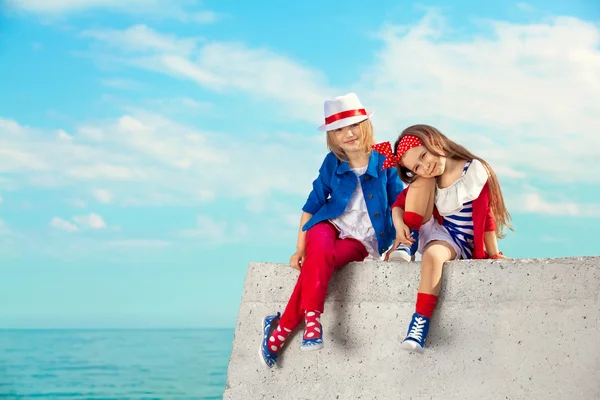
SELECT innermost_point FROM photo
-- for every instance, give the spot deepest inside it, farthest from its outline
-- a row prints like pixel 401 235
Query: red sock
pixel 277 338
pixel 313 325
pixel 426 304
pixel 413 220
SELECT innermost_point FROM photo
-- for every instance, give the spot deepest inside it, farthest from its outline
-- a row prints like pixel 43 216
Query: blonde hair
pixel 366 140
pixel 440 145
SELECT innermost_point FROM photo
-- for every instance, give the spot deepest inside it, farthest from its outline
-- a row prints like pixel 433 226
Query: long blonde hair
pixel 366 140
pixel 438 144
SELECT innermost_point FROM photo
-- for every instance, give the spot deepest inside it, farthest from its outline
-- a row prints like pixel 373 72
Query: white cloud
pixel 60 223
pixel 103 196
pixel 142 39
pixel 152 160
pixel 62 135
pixel 156 8
pixel 535 203
pixel 92 221
pixel 206 195
pixel 530 91
pixel 1 199
pixel 224 66
pixel 511 96
pixel 12 160
pixel 102 171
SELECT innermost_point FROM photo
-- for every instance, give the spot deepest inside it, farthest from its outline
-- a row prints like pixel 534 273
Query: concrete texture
pixel 504 329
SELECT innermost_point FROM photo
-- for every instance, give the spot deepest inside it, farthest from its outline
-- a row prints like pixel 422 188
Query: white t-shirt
pixel 355 222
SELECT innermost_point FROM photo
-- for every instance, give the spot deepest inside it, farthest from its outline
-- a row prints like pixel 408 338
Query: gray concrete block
pixel 503 329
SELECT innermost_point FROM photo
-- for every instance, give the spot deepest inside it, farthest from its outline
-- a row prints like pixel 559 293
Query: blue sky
pixel 149 150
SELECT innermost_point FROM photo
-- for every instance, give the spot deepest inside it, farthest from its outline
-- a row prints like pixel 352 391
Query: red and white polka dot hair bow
pixel 406 143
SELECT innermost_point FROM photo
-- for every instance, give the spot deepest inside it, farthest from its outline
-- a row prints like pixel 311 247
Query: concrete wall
pixel 510 329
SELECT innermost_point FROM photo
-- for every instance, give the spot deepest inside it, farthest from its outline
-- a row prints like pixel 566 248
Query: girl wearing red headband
pixel 347 217
pixel 463 220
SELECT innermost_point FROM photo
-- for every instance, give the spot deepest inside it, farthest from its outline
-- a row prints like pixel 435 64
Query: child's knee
pixel 423 184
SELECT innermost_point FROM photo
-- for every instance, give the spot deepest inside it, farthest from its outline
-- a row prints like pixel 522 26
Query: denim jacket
pixel 335 184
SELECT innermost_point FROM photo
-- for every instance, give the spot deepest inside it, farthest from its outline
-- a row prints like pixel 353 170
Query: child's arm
pixel 491 244
pixel 394 185
pixel 320 188
pixel 490 239
pixel 316 198
pixel 298 257
pixel 402 231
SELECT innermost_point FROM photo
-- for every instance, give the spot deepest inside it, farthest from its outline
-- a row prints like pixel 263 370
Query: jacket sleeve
pixel 394 185
pixel 401 199
pixel 490 222
pixel 320 191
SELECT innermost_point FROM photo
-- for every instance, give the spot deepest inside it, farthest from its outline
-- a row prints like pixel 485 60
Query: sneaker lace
pixel 416 330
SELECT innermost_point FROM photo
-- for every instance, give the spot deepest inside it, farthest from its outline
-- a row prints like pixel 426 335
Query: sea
pixel 114 364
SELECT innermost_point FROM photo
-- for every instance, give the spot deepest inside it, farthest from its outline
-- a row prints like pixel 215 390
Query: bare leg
pixel 436 253
pixel 420 198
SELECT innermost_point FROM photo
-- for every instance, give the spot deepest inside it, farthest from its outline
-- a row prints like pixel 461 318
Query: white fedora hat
pixel 342 111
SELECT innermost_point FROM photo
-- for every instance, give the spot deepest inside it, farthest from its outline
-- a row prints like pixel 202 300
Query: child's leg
pixel 325 257
pixel 436 253
pixel 324 253
pixel 420 200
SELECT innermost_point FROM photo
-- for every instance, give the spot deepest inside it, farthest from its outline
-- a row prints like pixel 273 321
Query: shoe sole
pixel 313 347
pixel 399 257
pixel 412 346
pixel 260 354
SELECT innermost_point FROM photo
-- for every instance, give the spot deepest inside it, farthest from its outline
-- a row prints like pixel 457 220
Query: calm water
pixel 133 364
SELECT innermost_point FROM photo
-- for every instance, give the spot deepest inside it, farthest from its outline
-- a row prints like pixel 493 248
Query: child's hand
pixel 403 236
pixel 297 259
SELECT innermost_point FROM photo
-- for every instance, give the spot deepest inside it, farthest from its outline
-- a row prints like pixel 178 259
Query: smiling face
pixel 423 163
pixel 348 138
pixel 356 138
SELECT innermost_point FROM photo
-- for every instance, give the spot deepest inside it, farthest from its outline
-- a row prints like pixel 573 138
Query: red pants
pixel 325 252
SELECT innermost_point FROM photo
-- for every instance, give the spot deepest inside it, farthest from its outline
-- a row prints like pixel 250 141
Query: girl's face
pixel 348 138
pixel 420 161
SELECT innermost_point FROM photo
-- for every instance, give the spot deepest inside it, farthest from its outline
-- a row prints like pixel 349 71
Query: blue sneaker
pixel 402 253
pixel 414 233
pixel 417 333
pixel 315 342
pixel 267 357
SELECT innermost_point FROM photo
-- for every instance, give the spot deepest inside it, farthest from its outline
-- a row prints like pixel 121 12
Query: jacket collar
pixel 372 169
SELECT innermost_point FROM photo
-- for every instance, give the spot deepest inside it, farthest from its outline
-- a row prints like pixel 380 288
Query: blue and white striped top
pixel 460 225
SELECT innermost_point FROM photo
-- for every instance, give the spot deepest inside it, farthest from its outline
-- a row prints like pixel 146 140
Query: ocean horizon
pixel 152 363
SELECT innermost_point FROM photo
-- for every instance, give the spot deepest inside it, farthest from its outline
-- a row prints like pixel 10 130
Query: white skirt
pixel 432 230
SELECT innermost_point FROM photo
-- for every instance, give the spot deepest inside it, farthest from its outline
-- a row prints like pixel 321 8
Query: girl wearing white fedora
pixel 346 217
